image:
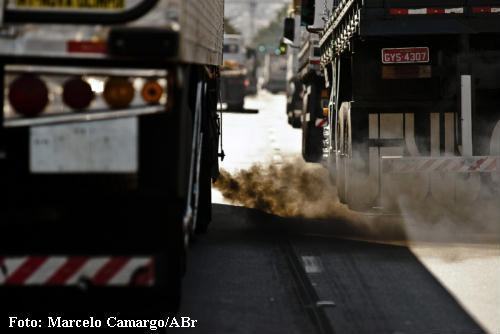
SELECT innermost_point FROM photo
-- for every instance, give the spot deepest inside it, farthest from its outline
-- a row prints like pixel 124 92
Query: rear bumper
pixel 233 89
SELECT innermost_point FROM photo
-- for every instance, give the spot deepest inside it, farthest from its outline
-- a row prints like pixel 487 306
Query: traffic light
pixel 283 48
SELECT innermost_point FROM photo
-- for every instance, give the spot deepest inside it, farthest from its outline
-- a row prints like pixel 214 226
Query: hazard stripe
pixel 69 268
pixel 426 11
pixel 477 165
pixel 42 273
pixel 124 276
pixel 452 164
pixel 492 166
pixel 109 270
pixel 426 165
pixel 485 10
pixel 76 270
pixel 144 278
pixel 25 270
pixel 10 265
pixel 444 165
pixel 88 270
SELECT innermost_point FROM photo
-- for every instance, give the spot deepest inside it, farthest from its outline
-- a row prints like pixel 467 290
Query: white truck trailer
pixel 108 144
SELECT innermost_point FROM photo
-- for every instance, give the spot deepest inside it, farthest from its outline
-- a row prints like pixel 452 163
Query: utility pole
pixel 253 9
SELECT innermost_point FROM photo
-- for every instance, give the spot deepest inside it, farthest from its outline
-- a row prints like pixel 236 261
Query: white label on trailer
pixel 99 147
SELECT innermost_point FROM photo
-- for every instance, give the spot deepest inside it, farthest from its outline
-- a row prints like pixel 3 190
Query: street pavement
pixel 241 277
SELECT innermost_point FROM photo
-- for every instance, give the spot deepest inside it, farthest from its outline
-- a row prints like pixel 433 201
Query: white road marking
pixel 312 264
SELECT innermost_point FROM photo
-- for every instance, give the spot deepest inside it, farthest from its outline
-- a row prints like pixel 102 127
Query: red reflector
pixel 77 93
pixel 86 47
pixel 478 10
pixel 28 95
pixel 435 10
pixel 398 11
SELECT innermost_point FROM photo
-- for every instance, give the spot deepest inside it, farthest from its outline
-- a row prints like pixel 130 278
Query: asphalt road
pixel 464 259
pixel 242 278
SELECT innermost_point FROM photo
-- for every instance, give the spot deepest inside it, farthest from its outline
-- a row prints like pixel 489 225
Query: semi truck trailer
pixel 314 96
pixel 294 88
pixel 108 145
pixel 414 101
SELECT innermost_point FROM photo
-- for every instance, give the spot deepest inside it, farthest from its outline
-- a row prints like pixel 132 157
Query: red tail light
pixel 28 95
pixel 77 94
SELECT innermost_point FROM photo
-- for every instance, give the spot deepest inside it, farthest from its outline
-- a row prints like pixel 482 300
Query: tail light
pixel 118 92
pixel 152 92
pixel 247 83
pixel 38 95
pixel 77 94
pixel 28 95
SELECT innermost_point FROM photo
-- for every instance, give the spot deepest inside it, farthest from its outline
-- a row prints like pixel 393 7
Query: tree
pixel 271 35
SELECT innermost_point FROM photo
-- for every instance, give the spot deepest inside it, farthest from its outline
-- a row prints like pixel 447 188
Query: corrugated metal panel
pixel 202 31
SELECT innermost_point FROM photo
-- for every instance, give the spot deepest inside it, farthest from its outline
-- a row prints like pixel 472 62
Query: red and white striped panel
pixel 486 10
pixel 430 165
pixel 321 122
pixel 426 11
pixel 72 271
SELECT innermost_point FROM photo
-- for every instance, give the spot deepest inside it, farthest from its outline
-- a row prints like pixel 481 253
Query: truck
pixel 274 73
pixel 108 145
pixel 252 69
pixel 294 87
pixel 234 72
pixel 414 102
pixel 309 77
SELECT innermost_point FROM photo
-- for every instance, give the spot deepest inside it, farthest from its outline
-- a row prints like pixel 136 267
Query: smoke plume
pixel 296 189
pixel 299 190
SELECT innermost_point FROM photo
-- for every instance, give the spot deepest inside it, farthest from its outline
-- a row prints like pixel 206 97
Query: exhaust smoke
pixel 296 189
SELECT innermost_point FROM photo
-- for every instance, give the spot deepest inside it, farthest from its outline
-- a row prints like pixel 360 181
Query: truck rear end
pixel 414 101
pixel 108 143
pixel 234 73
pixel 275 67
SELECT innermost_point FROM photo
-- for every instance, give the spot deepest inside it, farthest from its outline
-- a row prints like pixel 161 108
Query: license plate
pixel 71 4
pixel 405 55
pixel 96 147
